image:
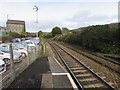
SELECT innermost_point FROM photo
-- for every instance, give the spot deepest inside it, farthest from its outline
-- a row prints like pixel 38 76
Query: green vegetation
pixel 56 31
pixel 40 33
pixel 98 38
pixel 65 31
pixel 47 35
pixel 8 36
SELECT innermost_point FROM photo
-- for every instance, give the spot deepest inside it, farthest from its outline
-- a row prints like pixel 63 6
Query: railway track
pixel 112 65
pixel 102 57
pixel 82 75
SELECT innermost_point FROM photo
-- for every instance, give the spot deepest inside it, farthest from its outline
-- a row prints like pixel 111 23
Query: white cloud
pixel 86 18
pixel 45 25
pixel 71 15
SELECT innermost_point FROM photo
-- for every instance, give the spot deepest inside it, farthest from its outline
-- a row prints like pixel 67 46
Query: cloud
pixel 51 14
pixel 84 18
pixel 44 25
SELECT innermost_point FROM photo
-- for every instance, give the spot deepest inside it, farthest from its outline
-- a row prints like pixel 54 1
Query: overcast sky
pixel 63 13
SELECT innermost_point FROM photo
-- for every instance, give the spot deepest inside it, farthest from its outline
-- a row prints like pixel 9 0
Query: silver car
pixel 6 54
pixel 2 66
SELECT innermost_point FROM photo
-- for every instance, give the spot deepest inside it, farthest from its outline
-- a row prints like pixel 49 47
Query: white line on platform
pixel 69 77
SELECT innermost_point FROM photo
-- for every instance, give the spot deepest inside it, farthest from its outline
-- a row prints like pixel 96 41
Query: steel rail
pixel 94 55
pixel 70 71
pixel 95 60
pixel 104 81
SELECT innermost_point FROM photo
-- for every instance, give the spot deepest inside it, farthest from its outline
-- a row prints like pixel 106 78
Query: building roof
pixel 2 27
pixel 15 22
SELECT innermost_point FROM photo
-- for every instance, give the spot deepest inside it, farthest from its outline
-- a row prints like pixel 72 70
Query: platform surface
pixel 60 78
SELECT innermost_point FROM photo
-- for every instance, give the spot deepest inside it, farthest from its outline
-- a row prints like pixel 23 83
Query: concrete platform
pixel 58 77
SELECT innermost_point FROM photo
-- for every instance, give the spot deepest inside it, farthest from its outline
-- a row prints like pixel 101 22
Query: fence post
pixel 44 48
pixel 12 60
pixel 28 55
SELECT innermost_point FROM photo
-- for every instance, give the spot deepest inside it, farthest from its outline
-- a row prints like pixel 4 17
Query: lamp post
pixel 36 10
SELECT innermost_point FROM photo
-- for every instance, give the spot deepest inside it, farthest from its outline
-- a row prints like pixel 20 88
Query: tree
pixel 40 33
pixel 65 31
pixel 55 31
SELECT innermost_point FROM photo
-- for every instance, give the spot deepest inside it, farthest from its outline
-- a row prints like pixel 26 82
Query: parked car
pixel 35 40
pixel 5 57
pixel 2 66
pixel 22 39
pixel 17 56
pixel 0 42
pixel 16 40
pixel 30 43
pixel 20 48
pixel 27 38
pixel 24 44
pixel 17 48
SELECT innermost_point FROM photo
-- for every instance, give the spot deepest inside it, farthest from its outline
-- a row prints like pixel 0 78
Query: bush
pixel 10 36
pixel 99 38
pixel 47 35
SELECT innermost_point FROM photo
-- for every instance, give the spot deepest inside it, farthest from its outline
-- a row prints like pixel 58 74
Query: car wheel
pixel 24 54
pixel 7 61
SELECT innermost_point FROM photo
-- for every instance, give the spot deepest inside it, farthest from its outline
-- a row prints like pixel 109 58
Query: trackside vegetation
pixel 8 36
pixel 97 38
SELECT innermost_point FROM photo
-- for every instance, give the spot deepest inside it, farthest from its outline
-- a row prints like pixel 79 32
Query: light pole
pixel 36 9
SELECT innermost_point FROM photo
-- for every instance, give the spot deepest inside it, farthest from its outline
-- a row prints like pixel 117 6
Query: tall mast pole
pixel 36 9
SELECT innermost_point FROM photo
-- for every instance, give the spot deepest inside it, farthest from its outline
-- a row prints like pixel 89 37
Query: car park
pixel 19 49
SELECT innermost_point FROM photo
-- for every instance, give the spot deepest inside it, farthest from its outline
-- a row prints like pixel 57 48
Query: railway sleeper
pixel 78 68
pixel 97 85
pixel 83 70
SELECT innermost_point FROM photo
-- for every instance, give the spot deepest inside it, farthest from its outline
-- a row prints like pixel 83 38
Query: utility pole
pixel 36 9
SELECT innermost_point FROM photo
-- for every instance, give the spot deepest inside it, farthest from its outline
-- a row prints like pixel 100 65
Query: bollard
pixel 12 60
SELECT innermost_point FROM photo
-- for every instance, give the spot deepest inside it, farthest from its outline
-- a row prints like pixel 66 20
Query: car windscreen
pixel 20 46
pixel 4 49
